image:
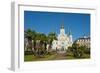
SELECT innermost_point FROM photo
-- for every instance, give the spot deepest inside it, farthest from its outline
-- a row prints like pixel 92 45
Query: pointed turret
pixel 69 32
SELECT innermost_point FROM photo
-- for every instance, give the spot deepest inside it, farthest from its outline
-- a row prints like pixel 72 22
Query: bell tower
pixel 62 30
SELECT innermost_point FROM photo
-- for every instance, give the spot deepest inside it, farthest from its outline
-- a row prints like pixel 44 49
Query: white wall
pixel 5 40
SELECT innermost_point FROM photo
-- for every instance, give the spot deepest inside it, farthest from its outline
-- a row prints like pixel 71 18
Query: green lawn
pixel 52 57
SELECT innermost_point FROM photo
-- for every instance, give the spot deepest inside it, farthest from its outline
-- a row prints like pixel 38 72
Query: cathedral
pixel 63 41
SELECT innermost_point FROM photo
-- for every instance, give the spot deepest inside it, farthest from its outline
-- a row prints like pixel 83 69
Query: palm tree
pixel 52 36
pixel 30 35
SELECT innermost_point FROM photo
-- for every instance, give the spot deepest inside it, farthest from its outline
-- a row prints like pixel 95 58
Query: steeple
pixel 69 32
pixel 62 26
pixel 62 30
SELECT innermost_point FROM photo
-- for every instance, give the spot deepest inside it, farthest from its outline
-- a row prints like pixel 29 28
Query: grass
pixel 53 57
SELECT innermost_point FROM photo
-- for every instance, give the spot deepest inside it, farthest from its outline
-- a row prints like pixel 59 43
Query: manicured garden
pixel 55 56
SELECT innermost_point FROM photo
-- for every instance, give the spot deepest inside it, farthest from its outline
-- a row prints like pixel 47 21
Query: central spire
pixel 62 30
pixel 62 26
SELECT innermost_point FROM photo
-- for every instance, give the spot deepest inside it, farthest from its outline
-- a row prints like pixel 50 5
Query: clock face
pixel 62 31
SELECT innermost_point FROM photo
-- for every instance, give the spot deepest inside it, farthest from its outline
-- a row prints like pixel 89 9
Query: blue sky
pixel 46 22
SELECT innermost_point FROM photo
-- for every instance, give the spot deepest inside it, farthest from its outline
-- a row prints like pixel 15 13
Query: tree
pixel 29 35
pixel 43 37
pixel 38 41
pixel 51 37
pixel 77 51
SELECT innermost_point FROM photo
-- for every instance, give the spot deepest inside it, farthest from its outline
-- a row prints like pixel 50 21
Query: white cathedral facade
pixel 63 41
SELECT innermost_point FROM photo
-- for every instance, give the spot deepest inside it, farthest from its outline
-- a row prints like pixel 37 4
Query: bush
pixel 28 52
pixel 87 51
pixel 78 51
